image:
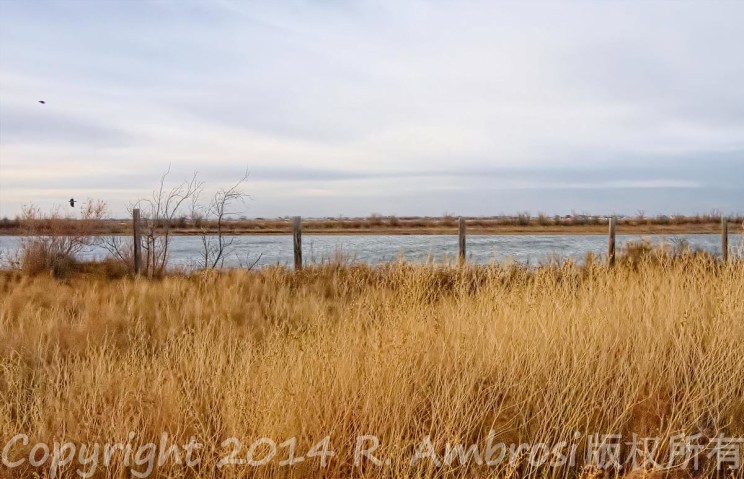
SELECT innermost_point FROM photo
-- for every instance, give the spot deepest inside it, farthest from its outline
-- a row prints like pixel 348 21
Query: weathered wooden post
pixel 137 241
pixel 724 238
pixel 611 242
pixel 297 242
pixel 461 241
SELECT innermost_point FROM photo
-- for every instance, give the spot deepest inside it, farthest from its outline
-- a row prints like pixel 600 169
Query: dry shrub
pixel 110 268
pixel 635 253
pixel 53 241
pixel 44 256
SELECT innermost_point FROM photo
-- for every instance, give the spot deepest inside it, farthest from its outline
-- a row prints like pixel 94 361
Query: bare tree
pixel 158 215
pixel 215 244
pixel 167 208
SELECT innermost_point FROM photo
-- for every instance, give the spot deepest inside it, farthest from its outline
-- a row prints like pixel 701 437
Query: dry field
pixel 653 347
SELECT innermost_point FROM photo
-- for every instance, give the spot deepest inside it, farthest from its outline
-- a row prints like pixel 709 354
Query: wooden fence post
pixel 611 242
pixel 461 241
pixel 724 238
pixel 137 241
pixel 297 242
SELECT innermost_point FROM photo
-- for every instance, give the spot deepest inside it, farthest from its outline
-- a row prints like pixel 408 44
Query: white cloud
pixel 387 91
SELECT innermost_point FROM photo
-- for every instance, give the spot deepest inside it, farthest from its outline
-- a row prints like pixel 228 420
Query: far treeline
pixel 380 224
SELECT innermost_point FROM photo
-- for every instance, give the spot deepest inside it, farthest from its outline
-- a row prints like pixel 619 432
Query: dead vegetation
pixel 653 347
pixel 522 223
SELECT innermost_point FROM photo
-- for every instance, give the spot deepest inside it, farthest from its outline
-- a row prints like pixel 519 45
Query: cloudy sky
pixel 393 107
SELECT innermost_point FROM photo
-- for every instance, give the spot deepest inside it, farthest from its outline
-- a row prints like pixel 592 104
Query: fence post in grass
pixel 137 241
pixel 724 239
pixel 461 241
pixel 297 242
pixel 611 241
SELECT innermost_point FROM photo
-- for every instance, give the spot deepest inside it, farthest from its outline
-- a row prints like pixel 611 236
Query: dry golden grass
pixel 653 347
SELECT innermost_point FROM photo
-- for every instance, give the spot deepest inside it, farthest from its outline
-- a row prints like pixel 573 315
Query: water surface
pixel 376 249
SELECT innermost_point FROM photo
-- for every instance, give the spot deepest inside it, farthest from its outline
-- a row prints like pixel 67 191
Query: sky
pixel 391 107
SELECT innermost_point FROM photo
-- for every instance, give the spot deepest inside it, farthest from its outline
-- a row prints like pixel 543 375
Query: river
pixel 376 249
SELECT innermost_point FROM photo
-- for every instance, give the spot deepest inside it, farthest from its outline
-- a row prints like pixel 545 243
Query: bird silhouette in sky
pixel 42 102
pixel 72 202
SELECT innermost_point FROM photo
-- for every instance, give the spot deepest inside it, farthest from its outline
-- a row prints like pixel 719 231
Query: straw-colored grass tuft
pixel 653 347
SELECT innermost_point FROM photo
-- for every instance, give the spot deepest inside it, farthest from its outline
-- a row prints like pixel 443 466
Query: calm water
pixel 533 249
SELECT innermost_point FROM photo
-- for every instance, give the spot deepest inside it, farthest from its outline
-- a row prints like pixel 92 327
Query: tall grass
pixel 653 347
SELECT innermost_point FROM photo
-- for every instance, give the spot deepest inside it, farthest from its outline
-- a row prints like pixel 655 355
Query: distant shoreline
pixel 493 231
pixel 381 226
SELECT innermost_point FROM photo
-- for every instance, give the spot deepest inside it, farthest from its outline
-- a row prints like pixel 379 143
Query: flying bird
pixel 72 202
pixel 42 102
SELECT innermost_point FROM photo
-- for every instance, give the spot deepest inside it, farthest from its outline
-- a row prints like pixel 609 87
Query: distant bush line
pixel 375 222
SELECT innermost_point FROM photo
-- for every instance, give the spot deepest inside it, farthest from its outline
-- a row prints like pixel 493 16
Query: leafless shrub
pixel 448 219
pixel 375 219
pixel 215 244
pixel 175 207
pixel 119 249
pixel 53 242
pixel 523 218
pixel 158 215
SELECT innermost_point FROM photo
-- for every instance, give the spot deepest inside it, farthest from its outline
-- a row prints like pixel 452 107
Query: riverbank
pixel 309 228
pixel 415 226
